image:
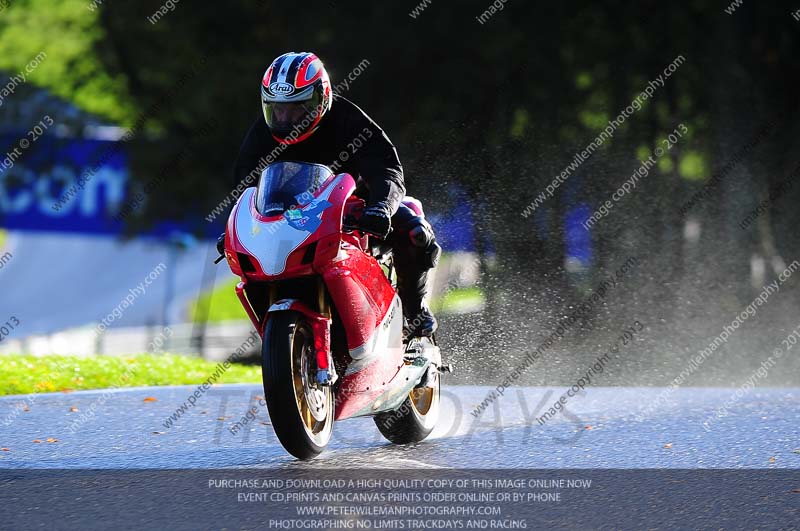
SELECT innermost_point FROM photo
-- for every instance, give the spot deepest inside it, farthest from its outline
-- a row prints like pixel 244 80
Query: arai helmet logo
pixel 279 87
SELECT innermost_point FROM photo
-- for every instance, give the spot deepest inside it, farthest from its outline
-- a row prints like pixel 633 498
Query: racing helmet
pixel 295 95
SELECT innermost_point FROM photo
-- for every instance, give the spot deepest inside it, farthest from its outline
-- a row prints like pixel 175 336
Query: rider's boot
pixel 413 265
pixel 415 253
pixel 420 321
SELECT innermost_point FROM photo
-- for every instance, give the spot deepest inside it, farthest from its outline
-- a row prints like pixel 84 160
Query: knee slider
pixel 433 253
pixel 421 236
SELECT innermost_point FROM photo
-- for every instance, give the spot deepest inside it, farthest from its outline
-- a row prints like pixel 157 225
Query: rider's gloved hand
pixel 376 221
pixel 221 244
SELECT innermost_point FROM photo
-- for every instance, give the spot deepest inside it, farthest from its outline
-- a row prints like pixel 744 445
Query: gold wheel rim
pixel 422 399
pixel 302 370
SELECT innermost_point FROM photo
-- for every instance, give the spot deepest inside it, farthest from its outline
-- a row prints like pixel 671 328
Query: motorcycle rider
pixel 303 120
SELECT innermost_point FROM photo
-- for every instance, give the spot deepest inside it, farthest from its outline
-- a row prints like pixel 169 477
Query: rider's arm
pixel 377 162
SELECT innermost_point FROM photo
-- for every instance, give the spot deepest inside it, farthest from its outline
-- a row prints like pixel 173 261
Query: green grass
pixel 222 304
pixel 459 300
pixel 23 374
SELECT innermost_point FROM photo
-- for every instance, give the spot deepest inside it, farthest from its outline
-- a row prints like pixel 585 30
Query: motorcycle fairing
pixel 270 241
pixel 390 395
pixel 388 333
pixel 378 377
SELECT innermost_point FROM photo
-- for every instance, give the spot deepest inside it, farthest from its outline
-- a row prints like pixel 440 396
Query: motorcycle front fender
pixel 321 326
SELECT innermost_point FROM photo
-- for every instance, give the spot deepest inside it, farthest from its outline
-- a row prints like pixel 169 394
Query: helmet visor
pixel 284 118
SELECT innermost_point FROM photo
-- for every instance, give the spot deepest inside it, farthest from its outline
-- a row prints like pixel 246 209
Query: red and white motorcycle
pixel 323 298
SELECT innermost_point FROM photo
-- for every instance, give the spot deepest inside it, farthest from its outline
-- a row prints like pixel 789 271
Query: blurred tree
pixel 75 66
pixel 497 108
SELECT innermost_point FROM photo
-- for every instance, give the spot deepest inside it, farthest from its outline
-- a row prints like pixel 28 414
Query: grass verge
pixel 24 374
pixel 221 302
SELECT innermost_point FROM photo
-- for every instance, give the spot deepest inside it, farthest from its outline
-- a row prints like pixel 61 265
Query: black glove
pixel 221 244
pixel 375 221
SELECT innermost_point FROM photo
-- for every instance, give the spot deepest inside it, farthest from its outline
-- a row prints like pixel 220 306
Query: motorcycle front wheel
pixel 301 410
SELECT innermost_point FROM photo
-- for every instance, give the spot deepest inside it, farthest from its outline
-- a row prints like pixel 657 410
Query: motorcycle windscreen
pixel 288 186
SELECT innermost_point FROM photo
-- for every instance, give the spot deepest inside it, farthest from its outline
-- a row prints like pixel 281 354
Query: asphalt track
pixel 120 467
pixel 604 428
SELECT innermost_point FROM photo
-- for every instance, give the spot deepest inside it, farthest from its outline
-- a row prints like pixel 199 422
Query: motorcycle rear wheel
pixel 301 410
pixel 415 419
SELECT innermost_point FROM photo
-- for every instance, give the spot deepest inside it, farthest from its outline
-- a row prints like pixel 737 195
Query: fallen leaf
pixel 150 399
pixel 796 490
pixel 26 409
pixel 668 445
pixel 263 422
pixel 37 441
pixel 587 427
pixel 203 412
pixel 259 397
pixel 158 433
pixel 797 451
pixel 5 449
pixel 772 459
pixel 67 390
pixel 73 410
pixel 223 418
pixel 51 440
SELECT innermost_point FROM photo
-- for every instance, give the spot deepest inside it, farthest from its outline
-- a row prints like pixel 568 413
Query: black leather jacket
pixel 347 140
